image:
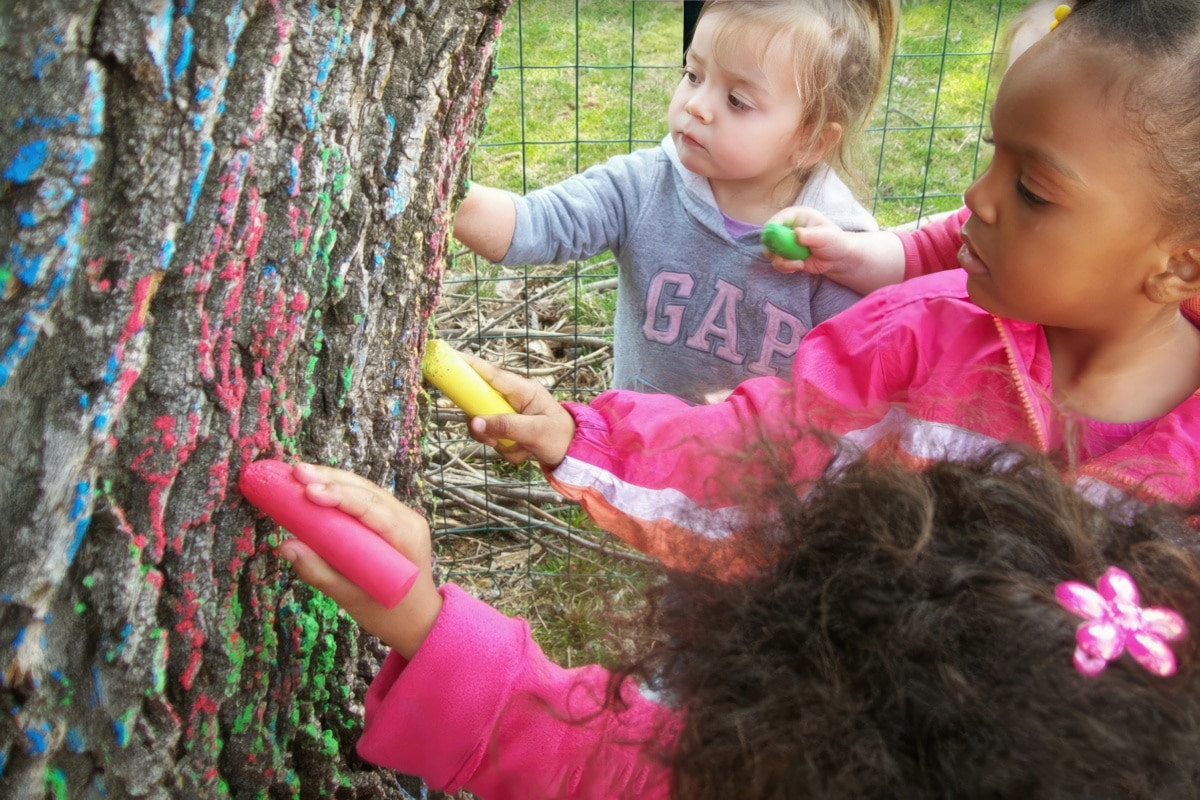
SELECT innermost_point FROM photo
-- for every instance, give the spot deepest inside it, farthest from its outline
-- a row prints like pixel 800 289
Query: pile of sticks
pixel 490 515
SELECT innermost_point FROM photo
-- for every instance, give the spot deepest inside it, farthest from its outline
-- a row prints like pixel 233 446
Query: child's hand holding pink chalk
pixel 355 542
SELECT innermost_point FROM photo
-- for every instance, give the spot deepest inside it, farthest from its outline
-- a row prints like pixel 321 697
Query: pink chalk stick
pixel 343 541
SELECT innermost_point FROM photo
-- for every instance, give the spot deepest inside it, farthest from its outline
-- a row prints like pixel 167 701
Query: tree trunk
pixel 225 227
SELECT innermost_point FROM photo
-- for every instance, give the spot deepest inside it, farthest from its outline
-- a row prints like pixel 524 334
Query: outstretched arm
pixel 868 260
pixel 859 260
pixel 485 221
pixel 466 698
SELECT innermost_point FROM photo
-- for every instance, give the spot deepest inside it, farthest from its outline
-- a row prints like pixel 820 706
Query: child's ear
pixel 815 151
pixel 1179 280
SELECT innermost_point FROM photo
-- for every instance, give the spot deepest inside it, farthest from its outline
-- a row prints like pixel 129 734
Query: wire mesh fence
pixel 579 81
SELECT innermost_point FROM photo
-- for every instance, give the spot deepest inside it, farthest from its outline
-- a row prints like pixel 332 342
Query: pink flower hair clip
pixel 1114 622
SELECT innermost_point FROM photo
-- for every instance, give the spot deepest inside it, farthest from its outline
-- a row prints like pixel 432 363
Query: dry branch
pixel 526 327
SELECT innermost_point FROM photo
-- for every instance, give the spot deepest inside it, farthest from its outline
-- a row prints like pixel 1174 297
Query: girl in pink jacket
pixel 927 634
pixel 1067 328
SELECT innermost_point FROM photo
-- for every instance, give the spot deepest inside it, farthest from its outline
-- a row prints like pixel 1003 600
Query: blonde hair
pixel 842 53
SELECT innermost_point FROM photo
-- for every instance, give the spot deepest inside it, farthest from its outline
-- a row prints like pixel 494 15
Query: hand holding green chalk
pixel 781 240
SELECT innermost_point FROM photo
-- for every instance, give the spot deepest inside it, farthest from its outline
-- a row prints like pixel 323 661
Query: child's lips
pixel 969 260
pixel 689 141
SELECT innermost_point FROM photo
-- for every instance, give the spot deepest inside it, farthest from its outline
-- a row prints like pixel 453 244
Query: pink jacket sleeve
pixel 934 247
pixel 670 479
pixel 480 707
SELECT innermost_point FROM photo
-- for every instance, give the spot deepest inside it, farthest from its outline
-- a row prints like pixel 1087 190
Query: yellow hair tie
pixel 1060 13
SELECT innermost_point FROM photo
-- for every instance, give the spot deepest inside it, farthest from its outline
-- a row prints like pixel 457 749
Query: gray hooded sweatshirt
pixel 698 311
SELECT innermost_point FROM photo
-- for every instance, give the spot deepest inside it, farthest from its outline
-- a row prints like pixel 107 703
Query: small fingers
pixel 495 432
pixel 398 525
pixel 403 627
pixel 800 217
pixel 316 572
pixel 787 266
pixel 814 237
pixel 792 216
pixel 315 473
pixel 545 436
pixel 520 392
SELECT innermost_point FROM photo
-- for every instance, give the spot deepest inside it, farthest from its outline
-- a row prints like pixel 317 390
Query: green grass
pixel 579 82
pixel 923 147
pixel 581 604
pixel 592 309
pixel 569 94
pixel 576 612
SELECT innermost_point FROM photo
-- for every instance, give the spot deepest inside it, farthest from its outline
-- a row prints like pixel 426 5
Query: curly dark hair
pixel 906 643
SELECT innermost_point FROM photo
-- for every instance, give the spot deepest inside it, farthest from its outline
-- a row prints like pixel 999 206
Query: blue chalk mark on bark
pixel 158 41
pixel 96 696
pixel 41 59
pixel 48 123
pixel 75 741
pixel 398 194
pixel 206 153
pixel 26 268
pixel 53 196
pixel 334 50
pixel 94 98
pixel 37 737
pixel 166 253
pixel 81 162
pixel 34 319
pixel 80 517
pixel 185 54
pixel 26 161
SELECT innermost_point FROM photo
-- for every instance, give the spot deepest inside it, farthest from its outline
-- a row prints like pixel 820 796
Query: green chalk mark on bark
pixel 56 784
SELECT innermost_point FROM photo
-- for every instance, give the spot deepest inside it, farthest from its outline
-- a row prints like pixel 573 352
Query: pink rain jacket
pixel 479 707
pixel 914 369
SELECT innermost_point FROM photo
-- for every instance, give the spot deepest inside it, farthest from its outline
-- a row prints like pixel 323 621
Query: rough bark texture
pixel 223 225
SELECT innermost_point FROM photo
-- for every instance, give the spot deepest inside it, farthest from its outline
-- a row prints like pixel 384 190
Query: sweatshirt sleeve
pixel 673 480
pixel 934 247
pixel 587 213
pixel 480 707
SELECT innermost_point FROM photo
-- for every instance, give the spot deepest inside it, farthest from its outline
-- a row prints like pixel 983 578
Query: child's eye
pixel 1029 196
pixel 690 76
pixel 737 102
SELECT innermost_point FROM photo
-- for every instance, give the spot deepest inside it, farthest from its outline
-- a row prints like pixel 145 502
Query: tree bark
pixel 225 224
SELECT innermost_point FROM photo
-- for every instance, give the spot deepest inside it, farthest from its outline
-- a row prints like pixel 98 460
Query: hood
pixel 824 191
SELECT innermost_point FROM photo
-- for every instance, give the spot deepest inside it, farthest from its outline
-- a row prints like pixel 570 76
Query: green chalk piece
pixel 781 240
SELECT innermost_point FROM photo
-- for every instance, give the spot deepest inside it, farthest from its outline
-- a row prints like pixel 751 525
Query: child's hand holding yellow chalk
pixel 543 429
pixel 445 368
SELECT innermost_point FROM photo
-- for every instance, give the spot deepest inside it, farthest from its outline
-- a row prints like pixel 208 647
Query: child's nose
pixel 979 197
pixel 699 106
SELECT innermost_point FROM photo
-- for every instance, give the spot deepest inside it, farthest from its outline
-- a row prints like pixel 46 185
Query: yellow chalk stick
pixel 446 369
